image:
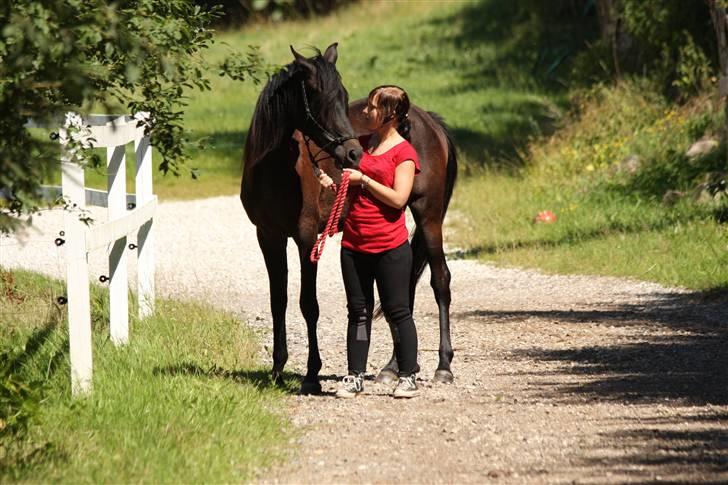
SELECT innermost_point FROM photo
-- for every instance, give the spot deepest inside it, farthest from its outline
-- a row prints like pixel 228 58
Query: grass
pixel 184 402
pixel 597 232
pixel 527 141
pixel 409 43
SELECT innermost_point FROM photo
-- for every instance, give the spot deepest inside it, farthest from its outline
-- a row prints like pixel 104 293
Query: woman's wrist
pixel 365 182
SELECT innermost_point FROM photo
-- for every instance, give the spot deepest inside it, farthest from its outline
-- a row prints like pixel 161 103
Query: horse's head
pixel 324 102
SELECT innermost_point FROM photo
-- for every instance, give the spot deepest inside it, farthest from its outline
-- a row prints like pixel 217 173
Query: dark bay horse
pixel 284 200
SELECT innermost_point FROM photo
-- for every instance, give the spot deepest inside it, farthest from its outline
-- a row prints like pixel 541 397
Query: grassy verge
pixel 596 232
pixel 184 402
pixel 628 199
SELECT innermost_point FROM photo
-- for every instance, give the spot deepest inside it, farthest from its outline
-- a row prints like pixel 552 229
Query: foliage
pixel 133 55
pixel 632 139
pixel 184 401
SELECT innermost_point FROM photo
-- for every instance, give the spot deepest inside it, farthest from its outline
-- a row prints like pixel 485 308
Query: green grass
pixel 527 142
pixel 184 402
pixel 433 49
pixel 597 232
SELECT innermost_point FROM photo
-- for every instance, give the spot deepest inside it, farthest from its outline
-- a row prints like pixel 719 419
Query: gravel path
pixel 558 378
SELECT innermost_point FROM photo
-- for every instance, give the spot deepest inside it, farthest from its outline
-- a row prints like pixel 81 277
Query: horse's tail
pixel 419 246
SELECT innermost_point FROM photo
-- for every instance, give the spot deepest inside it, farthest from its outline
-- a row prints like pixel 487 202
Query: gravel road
pixel 557 378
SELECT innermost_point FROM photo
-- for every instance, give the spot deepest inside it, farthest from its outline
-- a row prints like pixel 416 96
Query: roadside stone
pixel 701 148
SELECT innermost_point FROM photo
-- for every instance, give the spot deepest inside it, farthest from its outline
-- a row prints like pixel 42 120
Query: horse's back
pixel 428 136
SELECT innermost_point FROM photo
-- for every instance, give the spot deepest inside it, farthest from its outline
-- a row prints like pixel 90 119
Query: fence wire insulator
pixel 60 241
pixel 103 278
pixel 132 246
pixel 53 136
pixel 62 300
pixel 131 206
pixel 62 233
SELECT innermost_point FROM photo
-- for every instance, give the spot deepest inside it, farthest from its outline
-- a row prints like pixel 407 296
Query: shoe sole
pixel 406 395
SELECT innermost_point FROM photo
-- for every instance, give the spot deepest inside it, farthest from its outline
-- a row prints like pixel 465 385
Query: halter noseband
pixel 323 133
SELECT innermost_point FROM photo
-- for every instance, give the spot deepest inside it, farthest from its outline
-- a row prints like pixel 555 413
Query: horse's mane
pixel 270 126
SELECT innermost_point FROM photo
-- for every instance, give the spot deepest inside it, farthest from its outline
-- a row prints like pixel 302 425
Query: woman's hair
pixel 393 103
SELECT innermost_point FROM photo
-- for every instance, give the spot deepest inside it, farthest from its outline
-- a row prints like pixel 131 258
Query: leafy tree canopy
pixel 67 55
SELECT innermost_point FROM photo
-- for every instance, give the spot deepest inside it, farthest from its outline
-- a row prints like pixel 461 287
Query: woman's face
pixel 372 114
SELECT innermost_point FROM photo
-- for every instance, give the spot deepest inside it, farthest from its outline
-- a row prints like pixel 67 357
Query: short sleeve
pixel 407 152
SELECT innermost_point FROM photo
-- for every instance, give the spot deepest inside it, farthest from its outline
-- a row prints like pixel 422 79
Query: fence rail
pixel 126 213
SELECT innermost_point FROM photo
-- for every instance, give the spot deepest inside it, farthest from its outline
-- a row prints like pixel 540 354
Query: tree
pixel 720 24
pixel 61 55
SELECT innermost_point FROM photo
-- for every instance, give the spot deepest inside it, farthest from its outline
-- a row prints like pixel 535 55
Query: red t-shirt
pixel 371 225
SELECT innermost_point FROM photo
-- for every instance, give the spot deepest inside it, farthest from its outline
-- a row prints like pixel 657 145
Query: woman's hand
pixel 326 181
pixel 355 176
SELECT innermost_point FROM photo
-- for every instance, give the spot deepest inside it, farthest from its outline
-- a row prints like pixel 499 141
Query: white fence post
pixel 77 281
pixel 145 236
pixel 118 271
pixel 112 133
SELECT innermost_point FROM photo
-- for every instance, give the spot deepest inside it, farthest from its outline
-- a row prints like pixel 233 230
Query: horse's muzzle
pixel 349 154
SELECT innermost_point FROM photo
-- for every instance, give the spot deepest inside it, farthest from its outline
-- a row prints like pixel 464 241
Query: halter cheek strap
pixel 323 133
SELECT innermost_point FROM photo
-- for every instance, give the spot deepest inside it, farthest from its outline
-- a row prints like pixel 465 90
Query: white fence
pixel 126 214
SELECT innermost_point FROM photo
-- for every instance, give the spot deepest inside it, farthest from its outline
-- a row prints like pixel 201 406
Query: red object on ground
pixel 547 217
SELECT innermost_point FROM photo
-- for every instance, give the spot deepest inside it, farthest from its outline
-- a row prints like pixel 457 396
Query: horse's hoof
pixel 310 388
pixel 443 376
pixel 277 379
pixel 386 376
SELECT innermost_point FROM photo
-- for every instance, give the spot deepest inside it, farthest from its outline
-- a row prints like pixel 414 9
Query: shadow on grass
pixel 262 379
pixel 525 44
pixel 517 126
pixel 22 392
pixel 575 236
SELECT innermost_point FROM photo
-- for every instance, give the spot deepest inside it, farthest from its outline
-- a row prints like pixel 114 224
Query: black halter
pixel 324 134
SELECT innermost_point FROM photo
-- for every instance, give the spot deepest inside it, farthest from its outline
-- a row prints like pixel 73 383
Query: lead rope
pixel 332 225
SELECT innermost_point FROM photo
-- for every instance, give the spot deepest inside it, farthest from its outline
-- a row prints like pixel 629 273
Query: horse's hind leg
pixel 310 310
pixel 440 282
pixel 274 254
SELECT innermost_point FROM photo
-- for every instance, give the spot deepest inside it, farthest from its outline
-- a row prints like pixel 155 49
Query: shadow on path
pixel 680 362
pixel 260 378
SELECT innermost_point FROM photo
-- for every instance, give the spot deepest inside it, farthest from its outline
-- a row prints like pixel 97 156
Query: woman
pixel 375 245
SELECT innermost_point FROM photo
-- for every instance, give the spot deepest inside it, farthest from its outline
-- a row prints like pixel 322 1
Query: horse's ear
pixel 332 53
pixel 299 59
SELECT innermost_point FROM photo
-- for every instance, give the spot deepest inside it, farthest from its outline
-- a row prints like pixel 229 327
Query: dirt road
pixel 557 378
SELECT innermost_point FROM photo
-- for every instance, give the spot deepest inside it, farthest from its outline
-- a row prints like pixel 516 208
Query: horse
pixel 282 197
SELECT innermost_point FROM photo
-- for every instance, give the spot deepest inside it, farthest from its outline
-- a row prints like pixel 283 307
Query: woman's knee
pixel 397 315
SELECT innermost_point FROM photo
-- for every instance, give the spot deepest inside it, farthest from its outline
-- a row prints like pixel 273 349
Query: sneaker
pixel 407 387
pixel 351 386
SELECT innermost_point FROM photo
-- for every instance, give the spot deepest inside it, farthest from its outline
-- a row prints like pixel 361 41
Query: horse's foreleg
pixel 310 310
pixel 274 254
pixel 440 282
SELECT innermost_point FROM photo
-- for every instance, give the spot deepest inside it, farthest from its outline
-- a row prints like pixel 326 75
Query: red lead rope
pixel 333 223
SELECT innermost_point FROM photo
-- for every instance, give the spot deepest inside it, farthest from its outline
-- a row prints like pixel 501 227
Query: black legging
pixel 391 270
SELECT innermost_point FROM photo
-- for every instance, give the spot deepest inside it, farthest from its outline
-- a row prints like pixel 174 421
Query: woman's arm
pixel 397 196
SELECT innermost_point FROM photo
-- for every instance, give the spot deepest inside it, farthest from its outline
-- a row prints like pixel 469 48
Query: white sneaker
pixel 351 386
pixel 407 387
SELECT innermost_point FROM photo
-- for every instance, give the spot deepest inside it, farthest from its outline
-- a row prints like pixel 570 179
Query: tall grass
pixel 184 402
pixel 629 202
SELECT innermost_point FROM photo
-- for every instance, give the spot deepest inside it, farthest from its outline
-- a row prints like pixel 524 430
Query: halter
pixel 325 134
